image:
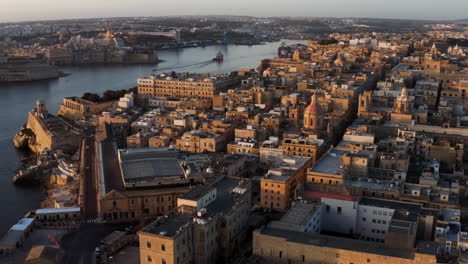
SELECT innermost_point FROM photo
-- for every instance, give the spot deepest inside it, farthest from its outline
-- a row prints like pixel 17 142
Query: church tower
pixel 41 109
pixel 402 104
pixel 314 117
pixel 434 50
pixel 364 102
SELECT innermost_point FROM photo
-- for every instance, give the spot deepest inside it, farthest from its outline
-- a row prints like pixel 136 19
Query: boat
pixel 219 57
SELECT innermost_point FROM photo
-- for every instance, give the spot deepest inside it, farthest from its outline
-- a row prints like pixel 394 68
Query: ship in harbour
pixel 219 57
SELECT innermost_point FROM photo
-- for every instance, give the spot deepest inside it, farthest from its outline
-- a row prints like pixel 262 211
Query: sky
pixel 27 10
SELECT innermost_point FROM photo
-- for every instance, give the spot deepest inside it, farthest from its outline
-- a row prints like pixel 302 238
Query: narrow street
pixel 89 175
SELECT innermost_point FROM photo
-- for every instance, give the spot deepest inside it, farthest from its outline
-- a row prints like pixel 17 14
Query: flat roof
pixel 225 198
pixel 331 162
pixel 151 169
pixel 392 204
pixel 403 227
pixel 150 164
pixel 228 189
pixel 373 184
pixel 22 224
pixel 197 192
pixel 298 216
pixel 427 247
pixel 319 240
pixel 169 225
pixel 58 210
pixel 313 195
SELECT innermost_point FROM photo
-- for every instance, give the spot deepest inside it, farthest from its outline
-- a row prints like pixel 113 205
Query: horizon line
pixel 247 16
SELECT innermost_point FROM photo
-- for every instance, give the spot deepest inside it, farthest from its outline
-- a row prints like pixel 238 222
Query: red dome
pixel 314 108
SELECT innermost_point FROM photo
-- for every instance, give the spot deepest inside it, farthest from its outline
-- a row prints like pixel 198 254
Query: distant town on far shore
pixel 346 145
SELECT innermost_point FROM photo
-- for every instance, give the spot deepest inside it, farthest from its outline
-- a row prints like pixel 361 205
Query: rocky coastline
pixel 26 139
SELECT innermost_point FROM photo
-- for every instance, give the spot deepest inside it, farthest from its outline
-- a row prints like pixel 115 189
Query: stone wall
pixel 43 135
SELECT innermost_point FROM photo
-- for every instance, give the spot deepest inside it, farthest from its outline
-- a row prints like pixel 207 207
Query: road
pixel 89 174
pixel 80 245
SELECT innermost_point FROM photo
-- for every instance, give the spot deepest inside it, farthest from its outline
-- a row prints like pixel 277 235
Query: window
pixel 280 254
pixel 303 258
pixel 327 208
pixel 363 219
pixel 150 259
pixel 163 247
pixel 338 210
pixel 368 260
pixel 163 261
pixel 148 244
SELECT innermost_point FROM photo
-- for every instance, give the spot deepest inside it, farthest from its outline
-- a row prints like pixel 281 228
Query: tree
pixel 91 97
pixel 109 95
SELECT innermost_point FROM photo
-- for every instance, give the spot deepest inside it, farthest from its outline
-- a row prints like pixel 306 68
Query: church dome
pixel 314 106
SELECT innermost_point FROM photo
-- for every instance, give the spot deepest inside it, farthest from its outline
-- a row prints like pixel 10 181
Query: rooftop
pixel 330 163
pixel 150 165
pixel 400 206
pixel 197 192
pixel 189 77
pixel 58 210
pixel 402 227
pixel 319 240
pixel 228 192
pixel 169 225
pixel 374 184
pixel 297 217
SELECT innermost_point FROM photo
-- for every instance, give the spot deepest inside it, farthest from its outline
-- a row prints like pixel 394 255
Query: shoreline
pixel 171 59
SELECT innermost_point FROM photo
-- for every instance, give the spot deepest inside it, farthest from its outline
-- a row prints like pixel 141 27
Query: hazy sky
pixel 16 10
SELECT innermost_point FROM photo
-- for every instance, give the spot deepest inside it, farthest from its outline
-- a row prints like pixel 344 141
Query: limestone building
pixel 184 85
pixel 208 226
pixel 314 116
pixel 49 131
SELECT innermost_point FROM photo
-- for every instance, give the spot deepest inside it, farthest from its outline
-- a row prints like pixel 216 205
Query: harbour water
pixel 19 98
